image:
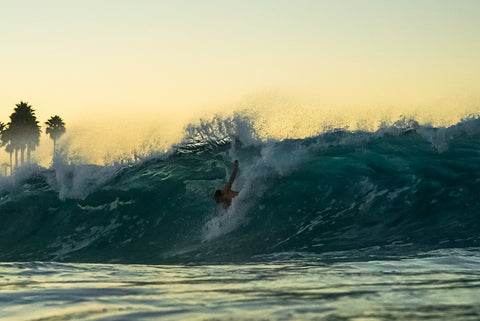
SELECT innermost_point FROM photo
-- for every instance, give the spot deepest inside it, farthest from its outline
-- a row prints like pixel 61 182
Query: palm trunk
pixel 22 156
pixel 54 148
pixel 16 158
pixel 11 164
pixel 29 156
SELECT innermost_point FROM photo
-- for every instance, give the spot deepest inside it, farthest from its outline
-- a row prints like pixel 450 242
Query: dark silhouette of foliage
pixel 2 130
pixel 4 141
pixel 55 129
pixel 8 139
pixel 23 131
pixel 3 127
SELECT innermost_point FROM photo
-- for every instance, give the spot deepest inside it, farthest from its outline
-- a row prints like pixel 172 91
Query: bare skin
pixel 226 195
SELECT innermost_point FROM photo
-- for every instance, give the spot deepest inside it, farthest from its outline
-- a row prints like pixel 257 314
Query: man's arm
pixel 228 187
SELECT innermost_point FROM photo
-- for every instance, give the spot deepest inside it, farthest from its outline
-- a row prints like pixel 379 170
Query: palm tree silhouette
pixel 9 149
pixel 5 141
pixel 55 128
pixel 3 127
pixel 23 131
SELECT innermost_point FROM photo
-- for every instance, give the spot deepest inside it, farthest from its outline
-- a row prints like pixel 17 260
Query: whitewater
pixel 342 225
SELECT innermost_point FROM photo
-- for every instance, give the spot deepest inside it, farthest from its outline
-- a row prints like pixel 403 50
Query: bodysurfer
pixel 226 195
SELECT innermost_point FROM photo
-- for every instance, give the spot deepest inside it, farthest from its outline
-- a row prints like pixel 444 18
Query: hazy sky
pixel 146 57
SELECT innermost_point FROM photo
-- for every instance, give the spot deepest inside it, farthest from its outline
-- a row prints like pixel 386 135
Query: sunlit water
pixel 438 285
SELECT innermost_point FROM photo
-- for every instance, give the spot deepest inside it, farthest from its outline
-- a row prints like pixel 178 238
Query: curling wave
pixel 400 189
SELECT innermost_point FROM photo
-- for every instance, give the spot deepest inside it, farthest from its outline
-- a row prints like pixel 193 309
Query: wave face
pixel 402 189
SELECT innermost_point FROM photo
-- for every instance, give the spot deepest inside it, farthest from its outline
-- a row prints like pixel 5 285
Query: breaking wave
pixel 401 189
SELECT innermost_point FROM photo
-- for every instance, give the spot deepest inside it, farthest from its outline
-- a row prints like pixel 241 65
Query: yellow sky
pixel 167 63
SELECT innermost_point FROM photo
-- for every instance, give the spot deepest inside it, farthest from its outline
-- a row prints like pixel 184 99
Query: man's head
pixel 218 196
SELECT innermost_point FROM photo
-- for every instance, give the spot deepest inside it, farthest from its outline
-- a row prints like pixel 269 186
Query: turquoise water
pixel 341 226
pixel 439 285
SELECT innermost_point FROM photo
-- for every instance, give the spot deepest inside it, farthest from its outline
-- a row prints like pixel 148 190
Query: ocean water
pixel 438 285
pixel 340 226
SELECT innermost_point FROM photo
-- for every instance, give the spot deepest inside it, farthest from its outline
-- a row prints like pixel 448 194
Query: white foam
pixel 70 181
pixel 222 224
pixel 21 174
pixel 218 131
pixel 78 181
pixel 275 159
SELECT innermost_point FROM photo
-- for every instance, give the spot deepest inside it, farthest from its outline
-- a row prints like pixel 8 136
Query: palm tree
pixel 12 145
pixel 33 138
pixel 6 140
pixel 3 127
pixel 9 149
pixel 23 131
pixel 55 128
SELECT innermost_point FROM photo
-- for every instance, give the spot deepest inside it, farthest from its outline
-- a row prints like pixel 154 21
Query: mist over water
pixel 126 136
